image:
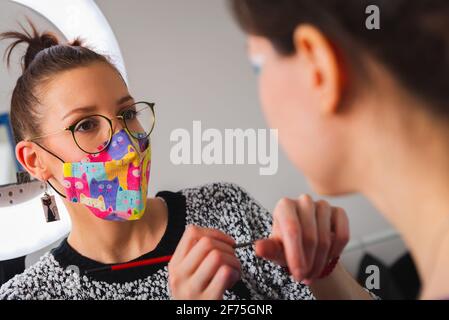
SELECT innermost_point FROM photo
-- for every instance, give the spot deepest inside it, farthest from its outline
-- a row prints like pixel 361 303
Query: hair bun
pixel 78 42
pixel 36 43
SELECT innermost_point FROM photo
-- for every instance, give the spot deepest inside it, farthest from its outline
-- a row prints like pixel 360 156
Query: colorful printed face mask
pixel 113 184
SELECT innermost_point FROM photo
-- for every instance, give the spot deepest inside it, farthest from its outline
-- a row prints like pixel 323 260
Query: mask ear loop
pixel 56 190
pixel 49 151
pixel 48 181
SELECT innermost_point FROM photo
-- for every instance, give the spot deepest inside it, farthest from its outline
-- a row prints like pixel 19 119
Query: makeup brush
pixel 148 262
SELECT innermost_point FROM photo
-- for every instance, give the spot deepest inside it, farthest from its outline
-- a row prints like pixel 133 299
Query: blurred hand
pixel 204 265
pixel 306 236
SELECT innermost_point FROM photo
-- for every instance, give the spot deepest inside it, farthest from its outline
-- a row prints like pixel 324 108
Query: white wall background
pixel 189 57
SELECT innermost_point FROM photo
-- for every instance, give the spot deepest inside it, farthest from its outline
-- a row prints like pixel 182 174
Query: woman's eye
pixel 130 114
pixel 86 125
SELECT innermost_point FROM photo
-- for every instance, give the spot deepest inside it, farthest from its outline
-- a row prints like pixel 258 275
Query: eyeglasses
pixel 93 133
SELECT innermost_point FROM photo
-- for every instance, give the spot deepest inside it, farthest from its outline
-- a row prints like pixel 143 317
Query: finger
pixel 287 217
pixel 188 240
pixel 323 214
pixel 224 279
pixel 191 235
pixel 340 228
pixel 271 249
pixel 209 267
pixel 276 231
pixel 200 251
pixel 307 217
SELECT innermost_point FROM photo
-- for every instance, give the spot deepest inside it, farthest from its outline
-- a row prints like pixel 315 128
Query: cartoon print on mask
pixel 93 202
pixel 129 201
pixel 143 144
pixel 106 188
pixel 99 157
pixel 146 172
pixel 133 177
pixel 93 170
pixel 75 187
pixel 115 189
pixel 131 157
pixel 119 146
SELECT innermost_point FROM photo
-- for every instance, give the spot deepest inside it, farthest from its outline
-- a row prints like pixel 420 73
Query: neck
pixel 408 181
pixel 116 242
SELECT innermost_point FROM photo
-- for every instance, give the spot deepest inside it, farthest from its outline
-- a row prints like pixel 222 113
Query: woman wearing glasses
pixel 78 128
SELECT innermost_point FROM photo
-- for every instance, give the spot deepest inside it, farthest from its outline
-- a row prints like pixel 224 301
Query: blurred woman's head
pixel 340 94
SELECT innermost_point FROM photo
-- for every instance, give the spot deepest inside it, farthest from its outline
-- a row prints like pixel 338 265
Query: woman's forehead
pixel 97 85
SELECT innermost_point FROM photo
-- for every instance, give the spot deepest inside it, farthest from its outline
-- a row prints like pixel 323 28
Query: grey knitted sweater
pixel 59 274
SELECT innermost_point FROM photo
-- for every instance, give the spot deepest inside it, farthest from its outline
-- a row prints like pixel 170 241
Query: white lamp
pixel 81 18
pixel 23 228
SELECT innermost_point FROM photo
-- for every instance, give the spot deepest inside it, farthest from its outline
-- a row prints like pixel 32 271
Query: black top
pixel 66 256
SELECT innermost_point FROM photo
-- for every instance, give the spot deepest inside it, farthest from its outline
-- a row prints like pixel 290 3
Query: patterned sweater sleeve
pixel 41 281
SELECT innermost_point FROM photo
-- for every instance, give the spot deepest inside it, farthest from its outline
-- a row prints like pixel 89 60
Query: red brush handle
pixel 146 262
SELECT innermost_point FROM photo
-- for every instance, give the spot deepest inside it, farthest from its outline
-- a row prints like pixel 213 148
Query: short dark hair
pixel 413 41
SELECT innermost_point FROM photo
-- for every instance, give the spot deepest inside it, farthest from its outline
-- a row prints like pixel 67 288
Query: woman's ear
pixel 26 154
pixel 325 67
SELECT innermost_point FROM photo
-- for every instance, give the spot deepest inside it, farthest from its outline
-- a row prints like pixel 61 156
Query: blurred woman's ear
pixel 26 154
pixel 324 67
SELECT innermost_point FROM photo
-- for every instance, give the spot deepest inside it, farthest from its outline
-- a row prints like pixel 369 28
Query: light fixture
pixel 81 18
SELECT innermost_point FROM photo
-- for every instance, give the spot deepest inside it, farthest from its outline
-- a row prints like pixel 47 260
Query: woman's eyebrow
pixel 93 108
pixel 124 99
pixel 79 110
